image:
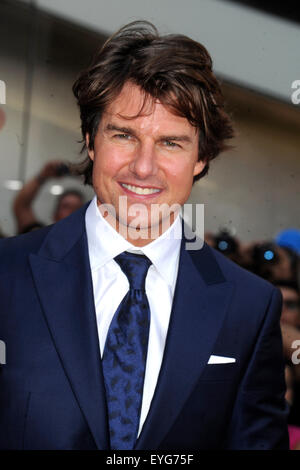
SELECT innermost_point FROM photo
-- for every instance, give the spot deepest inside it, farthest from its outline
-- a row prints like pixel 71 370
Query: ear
pixel 199 166
pixel 90 151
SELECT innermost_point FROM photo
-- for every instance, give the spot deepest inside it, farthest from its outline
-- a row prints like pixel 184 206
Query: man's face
pixel 151 159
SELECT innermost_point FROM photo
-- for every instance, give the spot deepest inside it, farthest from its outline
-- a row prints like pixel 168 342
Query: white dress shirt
pixel 110 286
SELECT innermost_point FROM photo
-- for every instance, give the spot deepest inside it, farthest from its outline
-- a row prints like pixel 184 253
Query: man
pixel 120 339
pixel 69 201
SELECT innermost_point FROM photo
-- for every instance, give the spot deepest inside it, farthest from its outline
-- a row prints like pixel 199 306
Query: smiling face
pixel 151 159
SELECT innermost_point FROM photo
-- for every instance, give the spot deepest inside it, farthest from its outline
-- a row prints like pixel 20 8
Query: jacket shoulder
pixel 14 250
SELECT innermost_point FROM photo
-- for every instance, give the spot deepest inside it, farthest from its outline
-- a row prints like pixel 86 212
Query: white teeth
pixel 137 190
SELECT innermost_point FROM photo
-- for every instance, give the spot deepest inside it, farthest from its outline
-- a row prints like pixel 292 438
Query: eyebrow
pixel 128 130
pixel 125 130
pixel 178 138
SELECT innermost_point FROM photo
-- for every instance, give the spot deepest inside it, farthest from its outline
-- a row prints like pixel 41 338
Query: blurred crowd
pixel 277 261
pixel 23 206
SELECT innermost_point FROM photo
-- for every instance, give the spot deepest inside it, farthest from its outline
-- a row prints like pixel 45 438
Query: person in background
pixel 291 303
pixel 290 329
pixel 270 261
pixel 294 431
pixel 290 318
pixel 289 238
pixel 226 243
pixel 68 202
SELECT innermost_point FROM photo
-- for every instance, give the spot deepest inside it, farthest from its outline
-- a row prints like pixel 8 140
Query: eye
pixel 122 136
pixel 171 144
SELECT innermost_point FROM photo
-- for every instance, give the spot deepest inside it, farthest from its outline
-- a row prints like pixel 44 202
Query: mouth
pixel 139 190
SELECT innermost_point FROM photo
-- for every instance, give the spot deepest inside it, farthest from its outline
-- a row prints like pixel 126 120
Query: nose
pixel 143 163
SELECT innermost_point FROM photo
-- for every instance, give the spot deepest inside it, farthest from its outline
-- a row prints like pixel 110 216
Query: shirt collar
pixel 105 243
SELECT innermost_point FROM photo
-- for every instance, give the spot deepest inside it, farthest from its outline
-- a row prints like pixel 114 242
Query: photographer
pixel 270 261
pixel 68 201
pixel 226 243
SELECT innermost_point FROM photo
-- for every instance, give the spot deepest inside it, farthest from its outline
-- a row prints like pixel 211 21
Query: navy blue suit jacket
pixel 51 388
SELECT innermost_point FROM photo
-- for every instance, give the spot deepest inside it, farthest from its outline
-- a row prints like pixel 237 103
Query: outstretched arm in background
pixel 22 206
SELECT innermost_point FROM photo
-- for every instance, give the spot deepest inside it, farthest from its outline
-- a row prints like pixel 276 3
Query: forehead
pixel 137 108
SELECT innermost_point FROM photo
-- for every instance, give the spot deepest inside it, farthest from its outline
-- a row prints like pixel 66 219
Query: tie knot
pixel 135 267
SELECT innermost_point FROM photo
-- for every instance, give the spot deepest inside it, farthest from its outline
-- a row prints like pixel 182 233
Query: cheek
pixel 109 161
pixel 180 174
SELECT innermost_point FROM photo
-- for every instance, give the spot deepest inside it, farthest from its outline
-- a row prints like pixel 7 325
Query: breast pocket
pixel 220 372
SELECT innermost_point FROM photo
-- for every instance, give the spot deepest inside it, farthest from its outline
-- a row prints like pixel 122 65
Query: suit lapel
pixel 201 299
pixel 61 273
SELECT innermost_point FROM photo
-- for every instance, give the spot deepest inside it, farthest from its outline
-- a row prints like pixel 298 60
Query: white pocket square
pixel 220 360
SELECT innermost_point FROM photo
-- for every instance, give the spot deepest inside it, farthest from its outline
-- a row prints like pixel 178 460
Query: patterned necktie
pixel 125 354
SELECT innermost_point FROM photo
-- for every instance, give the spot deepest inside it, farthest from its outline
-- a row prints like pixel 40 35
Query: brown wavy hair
pixel 173 69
